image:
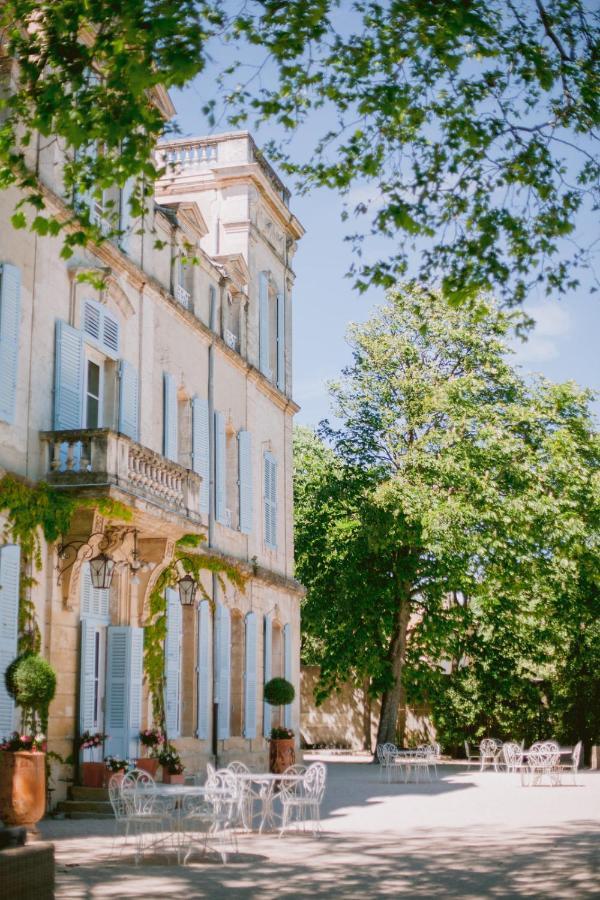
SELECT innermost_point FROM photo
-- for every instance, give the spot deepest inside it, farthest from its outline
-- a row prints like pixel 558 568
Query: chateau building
pixel 169 390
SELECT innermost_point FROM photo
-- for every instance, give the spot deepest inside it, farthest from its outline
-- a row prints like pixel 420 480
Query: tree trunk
pixel 392 698
pixel 367 715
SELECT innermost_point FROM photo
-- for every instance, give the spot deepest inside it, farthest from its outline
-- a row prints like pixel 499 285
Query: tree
pixel 459 533
pixel 473 124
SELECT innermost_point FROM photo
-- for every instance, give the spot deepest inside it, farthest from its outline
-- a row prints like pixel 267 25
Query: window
pixel 271 330
pixel 10 317
pixel 184 282
pixel 93 395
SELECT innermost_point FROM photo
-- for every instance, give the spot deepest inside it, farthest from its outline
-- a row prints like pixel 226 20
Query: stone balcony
pixel 104 459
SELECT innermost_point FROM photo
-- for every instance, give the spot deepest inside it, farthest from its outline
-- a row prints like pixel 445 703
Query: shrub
pixel 31 680
pixel 279 692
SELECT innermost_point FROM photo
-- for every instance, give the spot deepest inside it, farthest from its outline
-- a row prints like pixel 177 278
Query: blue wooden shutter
pixel 170 418
pixel 173 663
pixel 264 338
pixel 87 675
pixel 128 400
pixel 10 573
pixel 200 449
pixel 287 670
pixel 250 681
pixel 117 682
pixel 270 500
pixel 204 679
pixel 10 320
pixel 94 602
pixel 123 689
pixel 223 664
pixel 281 342
pixel 220 467
pixel 111 334
pixel 245 483
pixel 100 327
pixel 68 377
pixel 136 676
pixel 267 658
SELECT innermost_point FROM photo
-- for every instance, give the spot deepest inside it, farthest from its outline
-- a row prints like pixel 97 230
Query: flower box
pixel 93 774
pixel 172 777
pixel 148 764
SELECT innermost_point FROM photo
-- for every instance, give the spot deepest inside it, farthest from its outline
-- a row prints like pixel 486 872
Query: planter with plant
pixel 31 681
pixel 151 740
pixel 115 767
pixel 92 773
pixel 172 767
pixel 282 753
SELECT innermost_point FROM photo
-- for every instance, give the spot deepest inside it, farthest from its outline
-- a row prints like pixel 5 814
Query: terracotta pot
pixel 118 776
pixel 93 774
pixel 170 778
pixel 22 787
pixel 147 764
pixel 282 754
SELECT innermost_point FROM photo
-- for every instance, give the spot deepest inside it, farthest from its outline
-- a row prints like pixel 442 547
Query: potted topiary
pixel 151 739
pixel 93 773
pixel 32 682
pixel 280 692
pixel 172 767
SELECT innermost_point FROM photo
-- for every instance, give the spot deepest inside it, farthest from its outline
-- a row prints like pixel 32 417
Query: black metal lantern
pixel 187 590
pixel 101 571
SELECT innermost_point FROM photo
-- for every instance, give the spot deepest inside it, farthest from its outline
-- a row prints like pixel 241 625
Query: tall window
pixel 93 395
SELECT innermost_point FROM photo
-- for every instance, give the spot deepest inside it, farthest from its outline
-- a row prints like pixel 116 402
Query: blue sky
pixel 565 345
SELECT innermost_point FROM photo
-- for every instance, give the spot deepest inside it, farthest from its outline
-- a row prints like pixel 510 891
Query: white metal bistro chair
pixel 210 819
pixel 488 753
pixel 471 755
pixel 301 800
pixel 119 810
pixel 246 795
pixel 383 752
pixel 572 766
pixel 543 759
pixel 512 756
pixel 146 813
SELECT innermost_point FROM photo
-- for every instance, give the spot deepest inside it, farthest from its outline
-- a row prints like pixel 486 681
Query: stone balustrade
pixel 104 458
pixel 182 296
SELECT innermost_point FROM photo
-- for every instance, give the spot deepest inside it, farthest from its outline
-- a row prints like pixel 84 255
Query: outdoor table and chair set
pixel 182 818
pixel 544 762
pixel 418 763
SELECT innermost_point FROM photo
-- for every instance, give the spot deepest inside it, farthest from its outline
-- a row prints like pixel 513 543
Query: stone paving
pixel 467 834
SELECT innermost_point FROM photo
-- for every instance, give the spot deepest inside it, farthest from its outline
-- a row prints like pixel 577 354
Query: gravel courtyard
pixel 468 835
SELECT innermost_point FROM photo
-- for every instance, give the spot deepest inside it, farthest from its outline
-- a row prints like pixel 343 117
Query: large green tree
pixel 440 523
pixel 472 125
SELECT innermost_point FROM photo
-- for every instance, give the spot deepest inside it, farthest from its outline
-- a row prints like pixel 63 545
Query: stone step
pixel 88 793
pixel 91 809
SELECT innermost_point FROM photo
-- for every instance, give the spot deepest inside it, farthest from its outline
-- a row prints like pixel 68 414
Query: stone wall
pixel 343 719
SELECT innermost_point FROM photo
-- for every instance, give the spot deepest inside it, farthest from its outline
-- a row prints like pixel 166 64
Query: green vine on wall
pixel 32 511
pixel 155 626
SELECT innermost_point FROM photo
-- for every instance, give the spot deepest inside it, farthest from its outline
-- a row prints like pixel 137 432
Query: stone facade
pixel 169 390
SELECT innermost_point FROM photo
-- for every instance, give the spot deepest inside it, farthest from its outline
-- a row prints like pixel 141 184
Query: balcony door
pixel 93 392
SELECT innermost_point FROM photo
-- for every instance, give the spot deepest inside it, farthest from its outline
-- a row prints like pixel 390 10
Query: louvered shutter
pixel 245 484
pixel 117 689
pixel 270 500
pixel 123 689
pixel 128 400
pixel 200 448
pixel 204 679
pixel 220 467
pixel 267 659
pixel 87 675
pixel 10 572
pixel 287 670
pixel 173 663
pixel 10 320
pixel 264 338
pixel 281 342
pixel 223 663
pixel 170 418
pixel 101 327
pixel 250 681
pixel 68 377
pixel 136 675
pixel 94 602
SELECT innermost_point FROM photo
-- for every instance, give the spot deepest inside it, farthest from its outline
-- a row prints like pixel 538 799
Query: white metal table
pixel 266 782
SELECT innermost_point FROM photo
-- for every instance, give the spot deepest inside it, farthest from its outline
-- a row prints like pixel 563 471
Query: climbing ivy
pixel 155 626
pixel 32 511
